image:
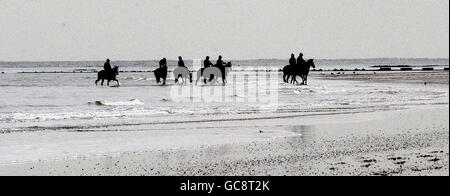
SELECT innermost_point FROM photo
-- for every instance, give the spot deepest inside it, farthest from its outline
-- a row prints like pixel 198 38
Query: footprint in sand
pixel 434 160
pixel 424 156
pixel 369 161
pixel 395 158
pixel 400 162
pixel 366 166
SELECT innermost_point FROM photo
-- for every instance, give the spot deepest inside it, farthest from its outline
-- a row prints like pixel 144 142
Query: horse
pixel 161 73
pixel 108 75
pixel 182 72
pixel 214 73
pixel 298 70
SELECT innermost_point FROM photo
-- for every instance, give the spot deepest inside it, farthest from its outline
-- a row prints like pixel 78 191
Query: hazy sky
pixel 237 29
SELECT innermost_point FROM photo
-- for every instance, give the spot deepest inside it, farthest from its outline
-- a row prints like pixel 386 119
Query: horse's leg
pixel 96 82
pixel 118 84
pixel 107 84
pixel 103 80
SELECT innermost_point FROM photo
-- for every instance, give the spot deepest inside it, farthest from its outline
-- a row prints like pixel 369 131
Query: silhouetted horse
pixel 182 72
pixel 108 75
pixel 161 73
pixel 214 73
pixel 298 70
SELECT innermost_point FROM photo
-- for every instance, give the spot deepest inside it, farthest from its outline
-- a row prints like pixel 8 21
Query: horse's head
pixel 229 65
pixel 116 70
pixel 310 63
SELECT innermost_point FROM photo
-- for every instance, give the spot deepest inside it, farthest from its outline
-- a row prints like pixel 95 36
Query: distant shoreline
pixel 380 69
pixel 275 59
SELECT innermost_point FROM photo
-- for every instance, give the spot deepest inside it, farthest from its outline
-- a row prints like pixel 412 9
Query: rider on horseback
pixel 163 63
pixel 221 65
pixel 207 63
pixel 300 61
pixel 107 66
pixel 292 60
pixel 181 62
pixel 220 62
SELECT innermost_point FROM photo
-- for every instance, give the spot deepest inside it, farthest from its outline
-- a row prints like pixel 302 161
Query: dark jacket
pixel 301 61
pixel 292 61
pixel 107 66
pixel 181 63
pixel 220 63
pixel 163 63
pixel 207 63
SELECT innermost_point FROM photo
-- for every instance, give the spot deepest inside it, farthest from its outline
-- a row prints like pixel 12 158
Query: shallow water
pixel 261 64
pixel 60 100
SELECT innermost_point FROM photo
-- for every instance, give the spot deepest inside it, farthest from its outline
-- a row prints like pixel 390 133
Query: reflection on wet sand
pixel 306 134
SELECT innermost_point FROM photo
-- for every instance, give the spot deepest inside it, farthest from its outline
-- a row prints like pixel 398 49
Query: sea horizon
pixel 243 59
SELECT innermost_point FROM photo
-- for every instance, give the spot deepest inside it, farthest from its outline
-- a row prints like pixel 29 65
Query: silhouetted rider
pixel 220 62
pixel 292 60
pixel 207 63
pixel 300 60
pixel 107 66
pixel 163 63
pixel 221 65
pixel 181 62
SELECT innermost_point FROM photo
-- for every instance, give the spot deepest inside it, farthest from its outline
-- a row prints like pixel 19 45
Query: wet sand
pixel 415 77
pixel 404 141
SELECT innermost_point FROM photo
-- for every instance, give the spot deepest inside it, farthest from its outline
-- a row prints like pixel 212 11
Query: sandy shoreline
pixel 418 77
pixel 407 142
